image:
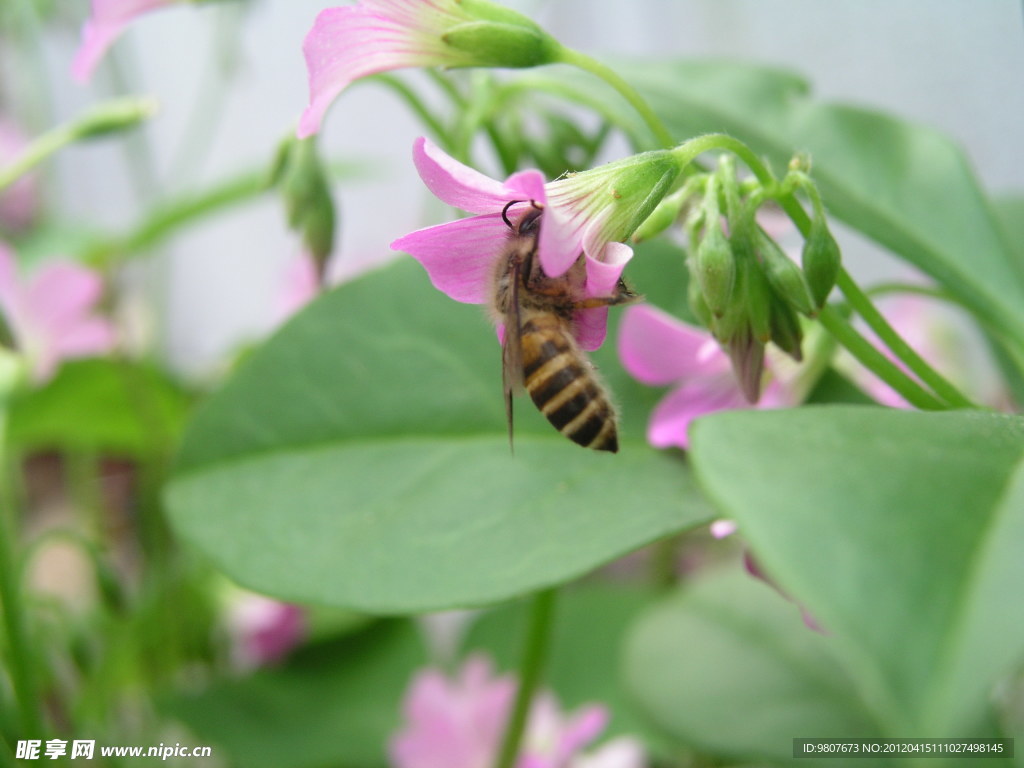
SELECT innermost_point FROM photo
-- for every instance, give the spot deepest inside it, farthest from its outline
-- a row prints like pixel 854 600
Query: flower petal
pixel 658 349
pixel 60 295
pixel 105 24
pixel 623 752
pixel 89 336
pixel 459 255
pixel 591 325
pixel 672 417
pixel 9 289
pixel 462 187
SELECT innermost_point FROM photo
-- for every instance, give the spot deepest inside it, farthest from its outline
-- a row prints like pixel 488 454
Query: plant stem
pixel 877 363
pixel 107 117
pixel 415 103
pixel 18 648
pixel 610 76
pixel 862 305
pixel 538 636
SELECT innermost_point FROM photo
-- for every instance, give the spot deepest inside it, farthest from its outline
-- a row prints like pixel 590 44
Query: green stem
pixel 610 76
pixel 408 95
pixel 107 117
pixel 862 305
pixel 18 650
pixel 876 362
pixel 538 636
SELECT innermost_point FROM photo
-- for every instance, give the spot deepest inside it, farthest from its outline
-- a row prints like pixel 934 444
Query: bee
pixel 539 351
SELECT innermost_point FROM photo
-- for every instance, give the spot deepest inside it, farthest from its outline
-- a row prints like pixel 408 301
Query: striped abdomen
pixel 562 384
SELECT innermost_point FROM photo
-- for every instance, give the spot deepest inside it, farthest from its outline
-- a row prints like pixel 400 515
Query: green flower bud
pixel 304 187
pixel 715 269
pixel 114 116
pixel 784 276
pixel 821 261
pixel 758 298
pixel 489 44
pixel 787 333
pixel 747 356
pixel 664 216
pixel 699 307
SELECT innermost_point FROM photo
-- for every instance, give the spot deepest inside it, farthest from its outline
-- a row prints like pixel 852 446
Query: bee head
pixel 529 224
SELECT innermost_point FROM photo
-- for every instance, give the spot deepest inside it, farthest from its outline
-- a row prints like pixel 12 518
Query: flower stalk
pixel 109 117
pixel 535 652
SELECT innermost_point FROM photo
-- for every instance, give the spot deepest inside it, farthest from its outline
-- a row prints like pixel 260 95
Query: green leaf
pixel 907 186
pixel 106 406
pixel 896 530
pixel 333 703
pixel 360 459
pixel 728 667
pixel 586 648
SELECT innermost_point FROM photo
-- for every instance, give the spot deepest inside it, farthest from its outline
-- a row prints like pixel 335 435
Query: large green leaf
pixel 900 531
pixel 360 459
pixel 335 703
pixel 907 186
pixel 728 667
pixel 99 405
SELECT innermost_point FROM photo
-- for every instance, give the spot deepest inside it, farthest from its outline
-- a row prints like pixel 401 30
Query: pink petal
pixel 299 286
pixel 581 729
pixel 108 20
pixel 672 417
pixel 90 336
pixel 591 325
pixel 561 239
pixel 464 188
pixel 9 288
pixel 459 256
pixel 658 349
pixel 720 529
pixel 60 295
pixel 19 203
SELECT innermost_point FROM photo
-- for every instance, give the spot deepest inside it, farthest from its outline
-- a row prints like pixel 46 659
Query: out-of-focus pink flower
pixel 586 213
pixel 104 25
pixel 263 630
pixel 928 332
pixel 52 314
pixel 459 723
pixel 720 529
pixel 374 36
pixel 659 350
pixel 19 203
pixel 299 286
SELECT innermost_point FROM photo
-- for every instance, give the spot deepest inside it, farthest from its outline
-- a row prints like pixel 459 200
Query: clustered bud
pixel 743 286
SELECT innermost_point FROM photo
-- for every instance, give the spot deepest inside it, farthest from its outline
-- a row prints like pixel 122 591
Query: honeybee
pixel 539 351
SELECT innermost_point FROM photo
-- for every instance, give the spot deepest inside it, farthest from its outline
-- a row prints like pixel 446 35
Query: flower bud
pixel 785 277
pixel 787 333
pixel 747 356
pixel 698 305
pixel 300 175
pixel 821 260
pixel 501 45
pixel 715 269
pixel 664 216
pixel 758 299
pixel 113 116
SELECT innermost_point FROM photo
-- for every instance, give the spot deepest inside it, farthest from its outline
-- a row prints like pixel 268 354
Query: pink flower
pixel 263 631
pixel 299 286
pixel 374 36
pixel 19 203
pixel 659 350
pixel 460 722
pixel 105 24
pixel 584 213
pixel 51 315
pixel 920 322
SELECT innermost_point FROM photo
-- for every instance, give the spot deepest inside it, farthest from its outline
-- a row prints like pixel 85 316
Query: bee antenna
pixel 504 212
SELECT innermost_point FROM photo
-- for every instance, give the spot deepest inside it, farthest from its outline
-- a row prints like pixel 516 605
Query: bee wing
pixel 512 346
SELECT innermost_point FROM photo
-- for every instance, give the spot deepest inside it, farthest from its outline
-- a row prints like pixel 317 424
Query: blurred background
pixel 230 79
